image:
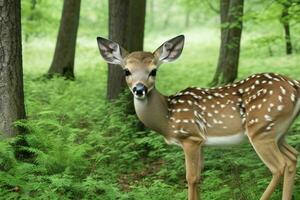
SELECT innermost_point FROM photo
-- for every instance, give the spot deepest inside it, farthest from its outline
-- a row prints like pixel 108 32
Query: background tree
pixel 190 7
pixel 126 27
pixel 231 13
pixel 284 19
pixel 11 72
pixel 64 55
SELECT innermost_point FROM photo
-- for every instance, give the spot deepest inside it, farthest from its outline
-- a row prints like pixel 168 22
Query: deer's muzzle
pixel 140 90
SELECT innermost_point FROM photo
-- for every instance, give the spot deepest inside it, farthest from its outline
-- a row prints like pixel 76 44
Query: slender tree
pixel 190 7
pixel 64 55
pixel 126 26
pixel 231 13
pixel 11 72
pixel 284 19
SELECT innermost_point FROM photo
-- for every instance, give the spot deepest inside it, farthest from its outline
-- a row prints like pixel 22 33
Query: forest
pixel 68 128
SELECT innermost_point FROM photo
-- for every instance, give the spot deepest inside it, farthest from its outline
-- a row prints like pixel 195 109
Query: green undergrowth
pixel 78 146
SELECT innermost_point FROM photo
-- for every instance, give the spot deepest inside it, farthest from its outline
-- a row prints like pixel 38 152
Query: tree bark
pixel 126 27
pixel 11 73
pixel 286 26
pixel 136 25
pixel 224 8
pixel 117 30
pixel 231 13
pixel 64 55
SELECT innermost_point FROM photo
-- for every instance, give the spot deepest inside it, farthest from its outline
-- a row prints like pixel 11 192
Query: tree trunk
pixel 64 55
pixel 11 73
pixel 286 26
pixel 231 13
pixel 117 30
pixel 136 25
pixel 126 27
pixel 224 8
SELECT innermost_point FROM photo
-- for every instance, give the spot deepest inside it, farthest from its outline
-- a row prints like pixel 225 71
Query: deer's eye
pixel 127 72
pixel 153 72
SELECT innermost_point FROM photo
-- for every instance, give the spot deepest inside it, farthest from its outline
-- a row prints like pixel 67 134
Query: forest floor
pixel 86 148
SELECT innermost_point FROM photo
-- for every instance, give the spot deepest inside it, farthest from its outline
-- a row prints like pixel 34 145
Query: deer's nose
pixel 140 89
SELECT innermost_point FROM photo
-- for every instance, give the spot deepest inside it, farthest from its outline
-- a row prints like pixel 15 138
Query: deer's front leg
pixel 193 159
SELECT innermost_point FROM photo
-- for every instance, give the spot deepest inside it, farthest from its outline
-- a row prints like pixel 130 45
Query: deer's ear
pixel 170 50
pixel 111 51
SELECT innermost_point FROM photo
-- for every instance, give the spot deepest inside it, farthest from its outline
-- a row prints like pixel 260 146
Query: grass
pixel 86 148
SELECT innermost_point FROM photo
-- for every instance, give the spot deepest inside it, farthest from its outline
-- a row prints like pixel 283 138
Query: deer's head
pixel 140 67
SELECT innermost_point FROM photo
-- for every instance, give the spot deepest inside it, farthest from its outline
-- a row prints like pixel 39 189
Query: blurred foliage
pixel 86 148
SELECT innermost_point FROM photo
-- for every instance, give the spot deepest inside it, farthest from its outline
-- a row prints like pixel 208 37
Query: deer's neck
pixel 153 111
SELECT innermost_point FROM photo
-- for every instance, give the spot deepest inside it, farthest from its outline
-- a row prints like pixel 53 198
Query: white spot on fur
pixel 291 83
pixel 276 79
pixel 293 97
pixel 183 131
pixel 268 118
pixel 283 91
pixel 280 107
pixel 268 76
